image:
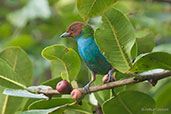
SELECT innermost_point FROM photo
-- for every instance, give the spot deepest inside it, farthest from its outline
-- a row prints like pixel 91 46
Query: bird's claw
pixel 110 78
pixel 86 88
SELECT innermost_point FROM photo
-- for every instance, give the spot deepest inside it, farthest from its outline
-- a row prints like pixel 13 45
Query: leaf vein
pixel 91 7
pixel 15 63
pixel 119 44
pixel 12 81
pixel 5 105
pixel 122 103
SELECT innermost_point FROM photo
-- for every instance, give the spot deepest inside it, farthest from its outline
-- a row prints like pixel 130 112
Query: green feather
pixel 87 31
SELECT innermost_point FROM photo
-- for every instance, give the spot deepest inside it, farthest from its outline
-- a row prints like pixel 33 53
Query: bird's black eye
pixel 72 29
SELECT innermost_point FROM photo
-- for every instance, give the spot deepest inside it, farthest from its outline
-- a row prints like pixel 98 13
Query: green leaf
pixel 129 102
pixel 152 61
pixel 16 72
pixel 90 8
pixel 23 93
pixel 44 104
pixel 124 6
pixel 66 55
pixel 64 75
pixel 163 48
pixel 116 39
pixel 9 78
pixel 41 111
pixel 163 100
pixel 9 104
pixel 84 108
pixel 16 68
pixel 57 110
pixel 18 59
pixel 56 68
pixel 134 51
pixel 160 86
pixel 57 102
pixel 145 42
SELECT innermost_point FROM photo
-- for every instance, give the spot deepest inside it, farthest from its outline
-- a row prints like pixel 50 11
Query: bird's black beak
pixel 65 34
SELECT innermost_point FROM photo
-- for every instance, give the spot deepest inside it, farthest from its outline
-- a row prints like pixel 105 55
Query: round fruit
pixel 64 87
pixel 76 94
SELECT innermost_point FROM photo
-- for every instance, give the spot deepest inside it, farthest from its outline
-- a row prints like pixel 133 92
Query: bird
pixel 83 33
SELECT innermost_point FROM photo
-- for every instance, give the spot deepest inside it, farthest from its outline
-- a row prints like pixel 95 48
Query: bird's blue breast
pixel 91 55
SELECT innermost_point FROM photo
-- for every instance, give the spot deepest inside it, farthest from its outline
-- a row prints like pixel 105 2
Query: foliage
pixel 124 30
pixel 67 55
pixel 90 8
pixel 124 105
pixel 121 37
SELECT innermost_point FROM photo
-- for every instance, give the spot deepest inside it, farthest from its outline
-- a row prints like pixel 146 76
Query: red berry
pixel 76 94
pixel 64 87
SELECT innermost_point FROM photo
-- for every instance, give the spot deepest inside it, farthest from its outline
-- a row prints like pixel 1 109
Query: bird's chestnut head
pixel 74 30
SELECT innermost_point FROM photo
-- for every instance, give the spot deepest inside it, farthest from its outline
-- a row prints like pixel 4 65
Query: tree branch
pixel 155 77
pixel 152 78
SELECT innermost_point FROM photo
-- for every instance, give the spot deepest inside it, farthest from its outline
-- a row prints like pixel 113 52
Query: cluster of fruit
pixel 64 87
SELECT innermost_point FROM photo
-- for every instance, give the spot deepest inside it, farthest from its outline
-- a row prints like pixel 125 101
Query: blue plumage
pixel 91 55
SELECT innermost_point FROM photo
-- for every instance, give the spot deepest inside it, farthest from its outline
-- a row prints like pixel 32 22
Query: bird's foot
pixel 86 88
pixel 110 76
pixel 110 79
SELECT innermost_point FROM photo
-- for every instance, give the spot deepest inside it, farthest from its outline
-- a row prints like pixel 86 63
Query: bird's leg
pixel 93 78
pixel 110 79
